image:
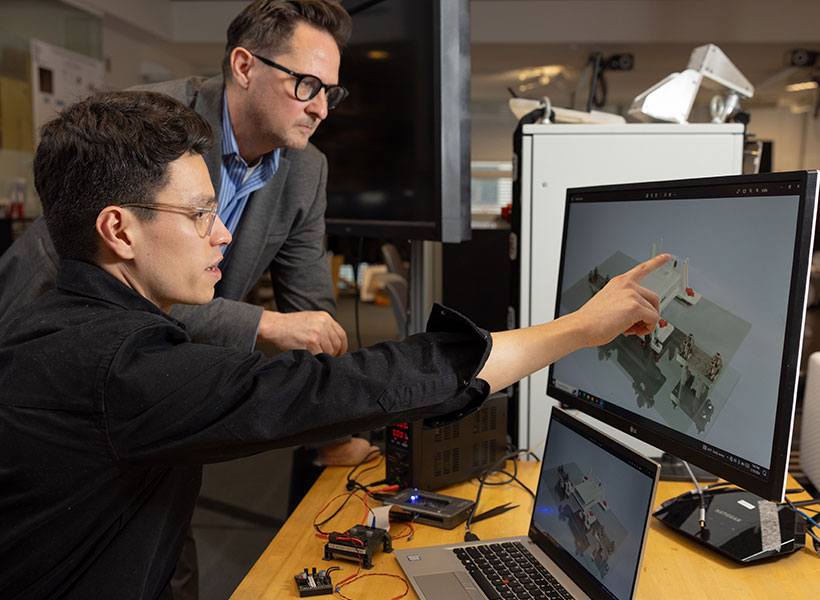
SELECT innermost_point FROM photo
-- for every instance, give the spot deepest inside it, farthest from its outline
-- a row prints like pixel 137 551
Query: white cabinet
pixel 555 157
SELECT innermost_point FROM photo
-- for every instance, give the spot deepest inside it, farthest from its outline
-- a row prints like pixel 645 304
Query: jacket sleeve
pixel 221 322
pixel 169 401
pixel 300 271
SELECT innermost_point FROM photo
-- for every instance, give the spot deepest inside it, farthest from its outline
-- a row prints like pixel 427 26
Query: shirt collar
pixel 229 146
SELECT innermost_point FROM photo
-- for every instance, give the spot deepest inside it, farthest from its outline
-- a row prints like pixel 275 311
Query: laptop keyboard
pixel 508 570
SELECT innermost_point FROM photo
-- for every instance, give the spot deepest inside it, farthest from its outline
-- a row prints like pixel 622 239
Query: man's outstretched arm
pixel 622 306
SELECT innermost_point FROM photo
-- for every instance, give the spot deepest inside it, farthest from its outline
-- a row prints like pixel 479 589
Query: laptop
pixel 586 536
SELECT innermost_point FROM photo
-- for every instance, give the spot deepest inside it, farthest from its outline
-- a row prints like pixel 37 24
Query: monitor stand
pixel 737 524
pixel 673 469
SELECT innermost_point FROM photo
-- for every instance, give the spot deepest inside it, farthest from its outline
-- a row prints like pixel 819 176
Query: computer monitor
pixel 715 383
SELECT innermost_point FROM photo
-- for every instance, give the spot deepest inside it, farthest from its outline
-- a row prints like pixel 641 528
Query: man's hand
pixel 349 453
pixel 622 306
pixel 314 331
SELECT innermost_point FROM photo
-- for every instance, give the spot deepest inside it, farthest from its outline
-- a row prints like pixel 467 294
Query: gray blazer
pixel 281 229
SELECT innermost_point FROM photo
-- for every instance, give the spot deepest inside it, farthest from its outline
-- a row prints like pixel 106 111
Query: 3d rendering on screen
pixel 581 502
pixel 682 369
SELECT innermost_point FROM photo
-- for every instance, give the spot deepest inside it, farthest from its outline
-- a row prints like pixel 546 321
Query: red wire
pixel 345 582
pixel 358 556
pixel 357 575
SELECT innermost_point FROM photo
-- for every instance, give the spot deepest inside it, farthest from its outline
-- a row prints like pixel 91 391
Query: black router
pixel 737 524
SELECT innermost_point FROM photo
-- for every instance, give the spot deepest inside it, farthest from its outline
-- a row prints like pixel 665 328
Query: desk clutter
pixel 587 528
pixel 403 508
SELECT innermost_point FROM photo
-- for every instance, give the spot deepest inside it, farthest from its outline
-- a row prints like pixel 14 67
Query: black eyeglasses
pixel 307 86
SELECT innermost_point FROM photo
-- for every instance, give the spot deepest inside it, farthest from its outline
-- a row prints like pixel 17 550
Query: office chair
pixel 393 260
pixel 396 288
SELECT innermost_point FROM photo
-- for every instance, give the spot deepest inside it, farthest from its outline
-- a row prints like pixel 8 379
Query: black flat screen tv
pixel 715 383
pixel 398 147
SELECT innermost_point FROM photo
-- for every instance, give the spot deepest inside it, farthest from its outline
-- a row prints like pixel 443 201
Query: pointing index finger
pixel 640 271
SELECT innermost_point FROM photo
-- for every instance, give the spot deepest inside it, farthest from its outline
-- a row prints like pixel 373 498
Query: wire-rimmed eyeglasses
pixel 204 217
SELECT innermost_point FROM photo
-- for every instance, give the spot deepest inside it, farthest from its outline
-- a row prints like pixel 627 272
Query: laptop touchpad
pixel 445 585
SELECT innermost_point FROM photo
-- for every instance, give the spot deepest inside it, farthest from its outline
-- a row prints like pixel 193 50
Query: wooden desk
pixel 673 566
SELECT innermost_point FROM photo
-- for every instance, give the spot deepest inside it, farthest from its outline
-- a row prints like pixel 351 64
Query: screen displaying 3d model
pixel 711 368
pixel 594 506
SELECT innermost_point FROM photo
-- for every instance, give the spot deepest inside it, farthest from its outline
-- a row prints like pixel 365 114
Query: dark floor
pixel 242 500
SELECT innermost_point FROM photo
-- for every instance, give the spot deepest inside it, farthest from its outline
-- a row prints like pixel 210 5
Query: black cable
pixel 352 483
pixel 518 481
pixel 599 99
pixel 806 502
pixel 316 526
pixel 595 59
pixel 356 264
pixel 810 521
pixel 502 471
pixel 482 478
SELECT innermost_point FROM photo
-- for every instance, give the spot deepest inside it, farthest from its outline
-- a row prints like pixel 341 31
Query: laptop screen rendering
pixel 592 507
pixel 587 529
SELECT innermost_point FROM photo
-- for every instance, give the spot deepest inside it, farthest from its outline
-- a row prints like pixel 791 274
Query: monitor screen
pixel 398 147
pixel 715 383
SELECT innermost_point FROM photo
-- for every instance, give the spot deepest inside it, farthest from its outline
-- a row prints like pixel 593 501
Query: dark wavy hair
pixel 112 148
pixel 266 26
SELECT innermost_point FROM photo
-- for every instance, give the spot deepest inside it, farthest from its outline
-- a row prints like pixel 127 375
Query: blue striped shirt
pixel 238 180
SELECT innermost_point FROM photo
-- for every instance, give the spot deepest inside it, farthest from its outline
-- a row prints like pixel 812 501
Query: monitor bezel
pixel 772 487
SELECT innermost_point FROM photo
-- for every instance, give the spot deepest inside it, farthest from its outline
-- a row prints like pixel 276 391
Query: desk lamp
pixel 672 98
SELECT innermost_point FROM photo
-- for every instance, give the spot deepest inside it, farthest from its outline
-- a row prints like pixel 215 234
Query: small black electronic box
pixel 438 510
pixel 317 583
pixel 431 459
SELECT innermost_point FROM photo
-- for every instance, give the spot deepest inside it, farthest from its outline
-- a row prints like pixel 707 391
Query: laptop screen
pixel 592 507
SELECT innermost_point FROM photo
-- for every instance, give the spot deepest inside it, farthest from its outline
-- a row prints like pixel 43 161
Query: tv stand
pixel 672 469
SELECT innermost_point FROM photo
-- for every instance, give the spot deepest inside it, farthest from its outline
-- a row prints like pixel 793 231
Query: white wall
pixel 132 57
pixel 788 132
pixel 154 16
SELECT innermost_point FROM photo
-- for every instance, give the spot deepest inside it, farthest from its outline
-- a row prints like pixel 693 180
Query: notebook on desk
pixel 586 536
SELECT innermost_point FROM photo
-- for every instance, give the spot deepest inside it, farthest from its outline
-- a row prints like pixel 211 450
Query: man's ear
pixel 116 228
pixel 241 61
